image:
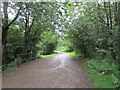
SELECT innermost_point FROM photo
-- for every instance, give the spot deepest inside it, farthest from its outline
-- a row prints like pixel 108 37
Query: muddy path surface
pixel 61 71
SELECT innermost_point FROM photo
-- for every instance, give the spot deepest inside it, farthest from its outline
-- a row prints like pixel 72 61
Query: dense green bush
pixel 48 43
pixel 49 48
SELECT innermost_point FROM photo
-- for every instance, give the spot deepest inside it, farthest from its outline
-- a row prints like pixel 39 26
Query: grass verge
pixel 102 73
pixel 73 54
pixel 50 55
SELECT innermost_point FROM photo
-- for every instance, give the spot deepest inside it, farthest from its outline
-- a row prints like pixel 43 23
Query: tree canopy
pixel 87 28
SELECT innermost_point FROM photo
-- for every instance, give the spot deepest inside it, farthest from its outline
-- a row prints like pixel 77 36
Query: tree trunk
pixel 107 16
pixel 110 15
pixel 4 32
pixel 5 28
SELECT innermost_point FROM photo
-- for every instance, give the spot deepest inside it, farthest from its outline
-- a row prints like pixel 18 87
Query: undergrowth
pixel 103 73
pixel 13 65
pixel 19 61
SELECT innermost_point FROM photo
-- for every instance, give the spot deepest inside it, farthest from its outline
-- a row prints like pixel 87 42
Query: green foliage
pixel 14 48
pixel 74 54
pixel 50 55
pixel 64 44
pixel 34 25
pixel 90 32
pixel 101 81
pixel 48 42
pixel 9 68
pixel 89 29
pixel 103 73
pixel 93 32
pixel 13 65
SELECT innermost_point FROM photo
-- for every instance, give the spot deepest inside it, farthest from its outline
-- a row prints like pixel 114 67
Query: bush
pixel 48 43
pixel 48 49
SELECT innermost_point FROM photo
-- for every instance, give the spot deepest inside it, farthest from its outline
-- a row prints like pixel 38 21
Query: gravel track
pixel 61 71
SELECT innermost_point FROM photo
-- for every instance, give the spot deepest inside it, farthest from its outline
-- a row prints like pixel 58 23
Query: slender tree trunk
pixel 107 16
pixel 118 15
pixel 26 31
pixel 116 12
pixel 4 32
pixel 26 36
pixel 110 15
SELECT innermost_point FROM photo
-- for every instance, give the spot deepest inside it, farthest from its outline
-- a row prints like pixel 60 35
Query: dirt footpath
pixel 61 71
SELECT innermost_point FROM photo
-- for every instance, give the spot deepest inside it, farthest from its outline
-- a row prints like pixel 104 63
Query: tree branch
pixel 31 25
pixel 14 18
pixel 107 16
pixel 101 19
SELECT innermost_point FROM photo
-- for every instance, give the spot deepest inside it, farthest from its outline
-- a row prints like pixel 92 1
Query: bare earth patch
pixel 61 71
